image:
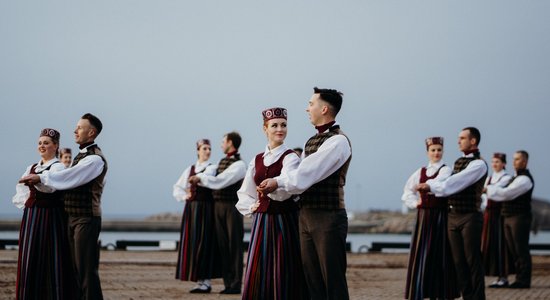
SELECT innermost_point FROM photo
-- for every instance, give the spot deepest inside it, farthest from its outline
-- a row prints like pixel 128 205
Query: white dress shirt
pixel 22 191
pixel 330 157
pixel 235 172
pixel 459 181
pixel 410 194
pixel 519 186
pixel 500 178
pixel 83 172
pixel 182 186
pixel 247 193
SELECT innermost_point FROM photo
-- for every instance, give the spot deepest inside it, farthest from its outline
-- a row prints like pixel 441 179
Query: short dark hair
pixel 235 138
pixel 332 97
pixel 474 133
pixel 524 154
pixel 94 121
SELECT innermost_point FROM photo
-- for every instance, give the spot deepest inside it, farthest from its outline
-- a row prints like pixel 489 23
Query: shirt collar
pixel 83 150
pixel 40 166
pixel 199 166
pixel 499 174
pixel 323 128
pixel 275 151
pixel 436 165
pixel 470 153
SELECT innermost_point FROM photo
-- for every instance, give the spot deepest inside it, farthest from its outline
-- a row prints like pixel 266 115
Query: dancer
pixel 320 179
pixel 44 265
pixel 431 272
pixel 198 256
pixel 496 257
pixel 516 211
pixel 274 267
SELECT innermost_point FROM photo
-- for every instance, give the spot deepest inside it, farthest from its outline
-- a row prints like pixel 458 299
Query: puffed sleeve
pixel 22 192
pixel 247 193
pixel 410 194
pixel 179 190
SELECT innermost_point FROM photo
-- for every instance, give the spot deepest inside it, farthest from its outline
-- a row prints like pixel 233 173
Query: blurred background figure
pixel 66 156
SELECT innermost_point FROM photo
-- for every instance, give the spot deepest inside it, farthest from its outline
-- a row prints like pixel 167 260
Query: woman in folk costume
pixel 44 266
pixel 198 257
pixel 496 258
pixel 274 265
pixel 431 271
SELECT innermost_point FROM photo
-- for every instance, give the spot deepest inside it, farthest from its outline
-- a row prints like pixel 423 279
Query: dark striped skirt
pixel 198 255
pixel 44 266
pixel 431 273
pixel 274 265
pixel 497 260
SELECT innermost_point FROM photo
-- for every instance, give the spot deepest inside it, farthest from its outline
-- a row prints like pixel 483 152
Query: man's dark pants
pixel 230 234
pixel 83 242
pixel 464 231
pixel 516 234
pixel 323 246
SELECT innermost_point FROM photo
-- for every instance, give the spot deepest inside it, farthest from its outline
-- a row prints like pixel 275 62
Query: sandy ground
pixel 150 275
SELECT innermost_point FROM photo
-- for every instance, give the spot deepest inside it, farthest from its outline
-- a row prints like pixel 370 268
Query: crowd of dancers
pixel 297 246
pixel 454 244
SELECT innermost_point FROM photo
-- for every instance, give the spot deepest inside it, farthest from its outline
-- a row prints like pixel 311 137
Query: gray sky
pixel 161 74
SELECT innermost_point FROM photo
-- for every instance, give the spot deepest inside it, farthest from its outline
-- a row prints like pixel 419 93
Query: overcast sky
pixel 161 74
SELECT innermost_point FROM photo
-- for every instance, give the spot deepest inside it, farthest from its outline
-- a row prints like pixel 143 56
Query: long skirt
pixel 44 266
pixel 431 273
pixel 198 255
pixel 497 259
pixel 274 265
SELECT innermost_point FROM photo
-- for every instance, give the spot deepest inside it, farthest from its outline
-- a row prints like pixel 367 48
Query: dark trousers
pixel 83 243
pixel 516 234
pixel 229 232
pixel 323 247
pixel 464 232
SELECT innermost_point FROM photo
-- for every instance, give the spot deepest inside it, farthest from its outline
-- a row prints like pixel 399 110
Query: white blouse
pixel 410 195
pixel 247 193
pixel 22 191
pixel 181 188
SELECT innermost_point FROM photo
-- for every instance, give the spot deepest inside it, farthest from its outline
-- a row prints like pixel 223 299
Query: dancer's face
pixel 465 142
pixel 227 145
pixel 435 153
pixel 520 162
pixel 204 152
pixel 497 164
pixel 275 130
pixel 84 132
pixel 47 148
pixel 315 110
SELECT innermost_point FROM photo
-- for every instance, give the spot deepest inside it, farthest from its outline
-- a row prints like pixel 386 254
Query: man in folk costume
pixel 516 212
pixel 465 220
pixel 83 184
pixel 229 222
pixel 320 180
